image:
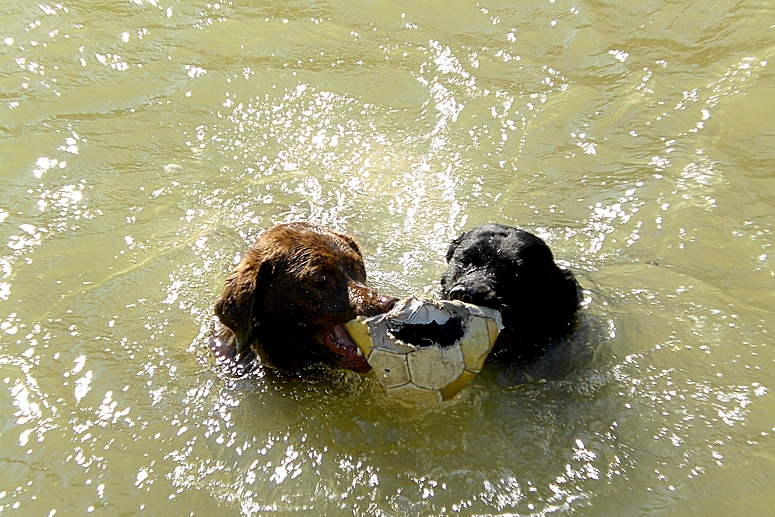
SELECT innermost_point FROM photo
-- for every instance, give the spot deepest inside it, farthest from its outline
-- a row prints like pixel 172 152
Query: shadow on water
pixel 564 360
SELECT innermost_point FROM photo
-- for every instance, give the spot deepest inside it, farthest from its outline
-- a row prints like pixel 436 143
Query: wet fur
pixel 293 285
pixel 512 270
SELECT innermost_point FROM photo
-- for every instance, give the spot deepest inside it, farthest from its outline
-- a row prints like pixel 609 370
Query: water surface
pixel 145 143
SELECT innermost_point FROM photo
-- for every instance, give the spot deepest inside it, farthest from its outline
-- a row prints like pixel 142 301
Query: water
pixel 144 144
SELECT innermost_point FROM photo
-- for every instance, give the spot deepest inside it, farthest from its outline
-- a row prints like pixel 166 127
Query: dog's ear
pixel 573 285
pixel 350 242
pixel 235 306
pixel 453 246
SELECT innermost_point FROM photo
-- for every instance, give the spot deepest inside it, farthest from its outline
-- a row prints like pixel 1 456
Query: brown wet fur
pixel 293 286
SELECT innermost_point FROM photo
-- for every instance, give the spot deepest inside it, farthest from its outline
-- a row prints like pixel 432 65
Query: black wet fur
pixel 513 271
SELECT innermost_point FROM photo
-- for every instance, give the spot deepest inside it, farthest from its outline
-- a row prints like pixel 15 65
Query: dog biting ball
pixel 425 351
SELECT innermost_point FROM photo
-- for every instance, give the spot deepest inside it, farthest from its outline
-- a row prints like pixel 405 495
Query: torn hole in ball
pixel 433 333
pixel 426 351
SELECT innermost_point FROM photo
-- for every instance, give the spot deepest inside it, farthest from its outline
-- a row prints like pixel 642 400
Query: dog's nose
pixel 386 303
pixel 461 293
pixel 367 302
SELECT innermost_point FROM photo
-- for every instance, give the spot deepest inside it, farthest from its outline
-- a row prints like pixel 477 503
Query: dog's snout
pixel 461 293
pixel 386 303
pixel 368 302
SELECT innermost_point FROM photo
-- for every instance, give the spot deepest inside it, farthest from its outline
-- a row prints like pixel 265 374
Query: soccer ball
pixel 426 351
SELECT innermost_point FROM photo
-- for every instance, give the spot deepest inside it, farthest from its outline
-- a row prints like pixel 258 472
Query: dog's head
pixel 289 295
pixel 513 271
pixel 488 263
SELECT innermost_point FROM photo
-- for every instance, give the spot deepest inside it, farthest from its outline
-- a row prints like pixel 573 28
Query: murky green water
pixel 144 143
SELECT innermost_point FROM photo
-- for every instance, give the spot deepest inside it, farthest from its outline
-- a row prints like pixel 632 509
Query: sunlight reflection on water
pixel 144 146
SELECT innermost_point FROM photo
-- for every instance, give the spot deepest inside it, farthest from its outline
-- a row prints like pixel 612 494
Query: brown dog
pixel 287 300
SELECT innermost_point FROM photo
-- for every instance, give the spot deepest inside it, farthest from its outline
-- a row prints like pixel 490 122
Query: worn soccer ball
pixel 426 351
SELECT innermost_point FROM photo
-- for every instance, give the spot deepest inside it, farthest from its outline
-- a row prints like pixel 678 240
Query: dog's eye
pixel 473 259
pixel 319 279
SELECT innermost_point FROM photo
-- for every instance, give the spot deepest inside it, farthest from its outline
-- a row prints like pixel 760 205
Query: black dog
pixel 513 271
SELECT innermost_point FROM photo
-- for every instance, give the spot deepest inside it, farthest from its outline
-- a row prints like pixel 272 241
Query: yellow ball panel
pixel 453 388
pixel 476 344
pixel 434 368
pixel 359 333
pixel 390 368
pixel 414 394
